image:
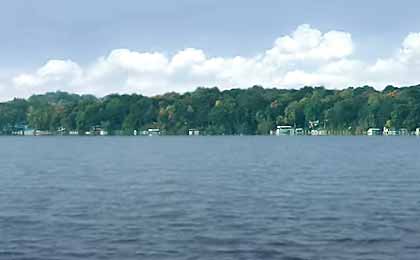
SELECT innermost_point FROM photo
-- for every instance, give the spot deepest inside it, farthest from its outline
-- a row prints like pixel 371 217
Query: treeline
pixel 237 111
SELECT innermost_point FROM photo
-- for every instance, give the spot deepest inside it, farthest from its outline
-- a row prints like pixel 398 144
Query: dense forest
pixel 214 112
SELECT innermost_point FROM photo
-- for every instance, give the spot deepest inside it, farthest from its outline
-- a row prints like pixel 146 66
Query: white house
pixel 193 132
pixel 418 131
pixel 284 130
pixel 73 132
pixel 373 131
pixel 153 131
pixel 299 131
pixel 61 131
pixel 390 132
pixel 318 132
pixel 29 132
pixel 42 133
pixel 404 131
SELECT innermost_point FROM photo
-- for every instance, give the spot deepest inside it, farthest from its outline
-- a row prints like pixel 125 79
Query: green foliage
pixel 237 111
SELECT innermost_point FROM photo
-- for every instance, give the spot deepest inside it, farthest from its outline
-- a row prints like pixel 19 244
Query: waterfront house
pixel 418 131
pixel 374 131
pixel 313 124
pixel 193 132
pixel 316 132
pixel 404 131
pixel 299 131
pixel 22 130
pixel 153 131
pixel 390 131
pixel 61 131
pixel 42 132
pixel 28 132
pixel 284 130
pixel 18 129
pixel 17 132
pixel 97 130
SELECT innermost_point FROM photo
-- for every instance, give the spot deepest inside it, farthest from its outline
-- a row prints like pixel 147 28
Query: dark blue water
pixel 210 198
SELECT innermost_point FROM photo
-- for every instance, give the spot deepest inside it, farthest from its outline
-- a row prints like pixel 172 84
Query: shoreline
pixel 163 136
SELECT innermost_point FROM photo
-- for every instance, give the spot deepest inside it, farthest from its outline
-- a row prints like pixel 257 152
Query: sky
pixel 152 47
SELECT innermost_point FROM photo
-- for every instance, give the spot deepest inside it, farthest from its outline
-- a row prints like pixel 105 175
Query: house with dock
pixel 151 132
pixel 97 130
pixel 404 132
pixel 374 132
pixel 283 130
pixel 396 132
pixel 193 132
pixel 286 130
pixel 319 132
pixel 390 131
pixel 299 131
pixel 42 133
pixel 28 132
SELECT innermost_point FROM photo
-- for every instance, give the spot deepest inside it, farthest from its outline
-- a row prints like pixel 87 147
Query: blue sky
pixel 32 33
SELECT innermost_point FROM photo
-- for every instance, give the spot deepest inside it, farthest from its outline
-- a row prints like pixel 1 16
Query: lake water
pixel 210 198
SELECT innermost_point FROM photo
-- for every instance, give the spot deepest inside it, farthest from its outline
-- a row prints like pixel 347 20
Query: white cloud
pixel 187 58
pixel 136 62
pixel 410 51
pixel 62 74
pixel 27 80
pixel 305 57
pixel 307 43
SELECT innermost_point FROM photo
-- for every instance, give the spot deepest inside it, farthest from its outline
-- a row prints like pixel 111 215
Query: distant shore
pixel 209 111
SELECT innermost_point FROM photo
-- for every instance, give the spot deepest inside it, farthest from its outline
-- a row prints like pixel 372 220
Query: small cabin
pixel 390 131
pixel 320 132
pixel 42 133
pixel 61 131
pixel 97 130
pixel 374 131
pixel 404 132
pixel 29 132
pixel 17 132
pixel 193 132
pixel 19 129
pixel 153 131
pixel 284 130
pixel 299 131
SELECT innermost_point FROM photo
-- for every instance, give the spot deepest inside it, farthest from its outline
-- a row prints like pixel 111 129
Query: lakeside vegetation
pixel 256 110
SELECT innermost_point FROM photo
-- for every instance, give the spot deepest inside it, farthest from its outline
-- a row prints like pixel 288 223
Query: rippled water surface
pixel 210 198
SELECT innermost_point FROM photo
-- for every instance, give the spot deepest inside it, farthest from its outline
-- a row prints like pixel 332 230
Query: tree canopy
pixel 256 110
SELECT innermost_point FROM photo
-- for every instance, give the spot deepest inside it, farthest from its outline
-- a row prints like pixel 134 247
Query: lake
pixel 210 198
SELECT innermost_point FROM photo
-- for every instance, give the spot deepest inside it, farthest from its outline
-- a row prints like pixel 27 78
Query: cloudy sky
pixel 151 47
